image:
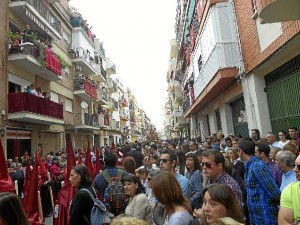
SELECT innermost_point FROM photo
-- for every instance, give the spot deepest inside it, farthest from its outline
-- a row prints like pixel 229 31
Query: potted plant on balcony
pixel 62 62
pixel 76 18
pixel 14 40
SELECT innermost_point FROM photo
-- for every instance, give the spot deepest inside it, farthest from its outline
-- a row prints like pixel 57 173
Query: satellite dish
pixel 84 105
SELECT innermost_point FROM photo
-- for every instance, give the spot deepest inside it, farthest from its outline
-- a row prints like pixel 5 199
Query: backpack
pixel 114 196
pixel 99 214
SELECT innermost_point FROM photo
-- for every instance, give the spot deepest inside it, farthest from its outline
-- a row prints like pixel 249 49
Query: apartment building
pixel 49 46
pixel 235 70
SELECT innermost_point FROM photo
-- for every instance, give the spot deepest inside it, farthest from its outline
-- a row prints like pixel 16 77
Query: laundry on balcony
pixel 52 63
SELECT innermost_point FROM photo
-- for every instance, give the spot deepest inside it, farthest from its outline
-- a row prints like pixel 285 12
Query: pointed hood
pixel 6 183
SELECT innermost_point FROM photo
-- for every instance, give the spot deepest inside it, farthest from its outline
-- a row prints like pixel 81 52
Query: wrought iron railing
pixel 43 10
pixel 91 120
pixel 186 104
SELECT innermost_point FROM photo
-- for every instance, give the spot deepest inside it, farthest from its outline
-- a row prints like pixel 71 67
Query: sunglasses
pixel 206 164
pixel 164 160
pixel 298 166
pixel 149 178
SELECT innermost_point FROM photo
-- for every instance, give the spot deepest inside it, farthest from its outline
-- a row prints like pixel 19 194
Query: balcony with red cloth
pixel 25 56
pixel 30 108
pixel 85 89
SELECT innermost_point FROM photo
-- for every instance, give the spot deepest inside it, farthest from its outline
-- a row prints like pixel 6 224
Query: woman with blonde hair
pixel 167 190
pixel 127 220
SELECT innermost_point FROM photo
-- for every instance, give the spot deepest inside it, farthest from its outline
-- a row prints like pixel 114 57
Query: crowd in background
pixel 183 181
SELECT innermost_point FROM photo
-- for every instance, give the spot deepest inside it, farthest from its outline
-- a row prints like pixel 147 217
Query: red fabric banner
pixel 24 102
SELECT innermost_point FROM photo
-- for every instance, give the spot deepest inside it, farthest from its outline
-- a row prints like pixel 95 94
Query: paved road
pixel 49 220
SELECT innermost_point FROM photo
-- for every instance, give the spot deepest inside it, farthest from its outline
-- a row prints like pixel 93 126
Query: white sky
pixel 136 36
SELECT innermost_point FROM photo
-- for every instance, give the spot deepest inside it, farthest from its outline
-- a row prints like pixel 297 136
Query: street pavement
pixel 49 220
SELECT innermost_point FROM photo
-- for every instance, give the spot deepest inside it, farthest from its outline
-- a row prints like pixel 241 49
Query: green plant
pixel 32 36
pixel 62 62
pixel 42 55
pixel 13 36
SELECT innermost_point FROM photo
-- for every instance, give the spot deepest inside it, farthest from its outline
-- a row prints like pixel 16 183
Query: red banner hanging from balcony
pixel 52 63
pixel 90 89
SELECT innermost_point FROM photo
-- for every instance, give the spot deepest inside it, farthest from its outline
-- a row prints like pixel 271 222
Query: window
pixel 218 119
pixel 68 105
pixel 54 97
pixel 67 37
pixel 17 84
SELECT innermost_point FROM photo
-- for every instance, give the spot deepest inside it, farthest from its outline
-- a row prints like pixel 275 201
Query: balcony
pixel 124 115
pixel 110 67
pixel 84 89
pixel 272 11
pixel 124 131
pixel 38 16
pixel 26 57
pixel 103 120
pixel 100 74
pixel 219 71
pixel 115 104
pixel 29 108
pixel 179 123
pixel 131 107
pixel 85 60
pixel 87 121
pixel 177 92
pixel 136 133
pixel 112 86
pixel 123 102
pixel 133 120
pixel 186 104
pixel 102 96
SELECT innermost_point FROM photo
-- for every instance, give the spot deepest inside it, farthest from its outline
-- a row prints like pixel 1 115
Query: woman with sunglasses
pixel 167 190
pixel 193 174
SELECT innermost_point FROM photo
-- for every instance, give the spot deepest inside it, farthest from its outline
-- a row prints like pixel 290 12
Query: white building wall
pixel 256 103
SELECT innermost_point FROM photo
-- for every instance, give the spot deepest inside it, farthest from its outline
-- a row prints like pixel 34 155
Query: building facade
pixel 235 71
pixel 48 46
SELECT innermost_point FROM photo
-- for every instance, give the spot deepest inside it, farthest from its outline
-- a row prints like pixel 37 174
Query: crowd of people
pixel 222 180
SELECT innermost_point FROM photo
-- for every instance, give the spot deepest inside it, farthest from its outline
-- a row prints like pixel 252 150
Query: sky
pixel 136 36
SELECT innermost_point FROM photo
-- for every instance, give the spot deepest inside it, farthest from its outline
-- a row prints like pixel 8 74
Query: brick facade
pixel 249 37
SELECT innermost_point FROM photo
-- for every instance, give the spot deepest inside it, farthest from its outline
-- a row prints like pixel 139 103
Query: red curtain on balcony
pixel 52 63
pixel 24 102
pixel 90 89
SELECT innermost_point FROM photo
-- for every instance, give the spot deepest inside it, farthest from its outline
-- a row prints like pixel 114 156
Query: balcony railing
pixel 123 102
pixel 42 9
pixel 89 88
pixel 103 120
pixel 115 104
pixel 27 55
pixel 124 115
pixel 86 61
pixel 102 96
pixel 223 55
pixel 91 120
pixel 186 104
pixel 24 102
pixel 136 133
pixel 131 107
